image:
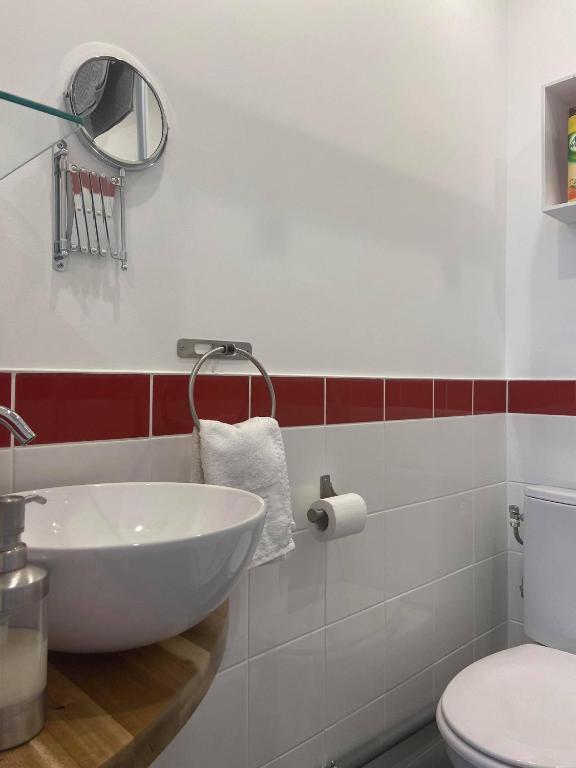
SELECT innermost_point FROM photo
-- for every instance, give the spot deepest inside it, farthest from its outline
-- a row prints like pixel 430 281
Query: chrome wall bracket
pixel 516 518
pixel 86 216
pixel 315 516
pixel 196 348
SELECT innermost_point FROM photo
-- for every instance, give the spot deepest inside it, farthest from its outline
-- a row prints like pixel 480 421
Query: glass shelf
pixel 28 128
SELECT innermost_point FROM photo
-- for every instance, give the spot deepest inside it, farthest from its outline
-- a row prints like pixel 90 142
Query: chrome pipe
pixel 15 424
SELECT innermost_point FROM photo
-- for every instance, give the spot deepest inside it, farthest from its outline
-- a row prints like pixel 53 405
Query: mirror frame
pixel 89 141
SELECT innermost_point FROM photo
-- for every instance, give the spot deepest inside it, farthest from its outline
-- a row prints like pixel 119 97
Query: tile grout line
pixel 151 406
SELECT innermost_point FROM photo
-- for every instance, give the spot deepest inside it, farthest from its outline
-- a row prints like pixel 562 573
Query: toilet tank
pixel 550 567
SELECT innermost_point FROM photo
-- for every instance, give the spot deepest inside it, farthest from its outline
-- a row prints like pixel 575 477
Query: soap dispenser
pixel 23 629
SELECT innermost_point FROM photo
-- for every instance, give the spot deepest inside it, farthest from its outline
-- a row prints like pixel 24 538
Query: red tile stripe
pixel 71 407
pixel 5 399
pixel 77 407
pixel 409 399
pixel 452 397
pixel 354 400
pixel 218 397
pixel 489 396
pixel 557 398
pixel 299 400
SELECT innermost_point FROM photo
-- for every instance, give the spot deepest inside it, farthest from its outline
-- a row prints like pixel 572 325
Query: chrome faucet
pixel 16 424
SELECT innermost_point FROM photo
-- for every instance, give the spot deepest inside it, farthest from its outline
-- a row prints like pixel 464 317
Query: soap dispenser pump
pixel 23 629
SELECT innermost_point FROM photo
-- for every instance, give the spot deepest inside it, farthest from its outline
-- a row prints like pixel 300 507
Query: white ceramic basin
pixel 134 563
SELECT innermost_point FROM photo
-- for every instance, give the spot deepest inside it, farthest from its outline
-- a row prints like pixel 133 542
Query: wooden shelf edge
pixel 121 710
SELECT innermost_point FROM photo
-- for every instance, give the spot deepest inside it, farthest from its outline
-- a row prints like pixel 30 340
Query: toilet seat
pixel 514 708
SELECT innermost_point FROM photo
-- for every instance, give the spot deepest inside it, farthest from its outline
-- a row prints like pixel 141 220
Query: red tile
pixel 75 407
pixel 549 397
pixel 408 399
pixel 299 399
pixel 452 397
pixel 489 396
pixel 354 400
pixel 5 399
pixel 222 398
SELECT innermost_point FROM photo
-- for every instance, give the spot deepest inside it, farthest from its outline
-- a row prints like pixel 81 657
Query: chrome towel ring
pixel 228 349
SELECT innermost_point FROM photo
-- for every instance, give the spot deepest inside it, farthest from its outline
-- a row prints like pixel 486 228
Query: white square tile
pixel 516 634
pixel 286 698
pixel 355 650
pixel 237 639
pixel 454 538
pixel 491 642
pixel 490 521
pixel 113 461
pixel 307 755
pixel 305 456
pixel 410 547
pixel 411 705
pixel 515 497
pixel 287 596
pixel 355 459
pixel 170 459
pixel 427 540
pixel 449 667
pixel 515 575
pixel 366 733
pixel 490 593
pixel 409 634
pixel 6 458
pixel 358 738
pixel 542 450
pixel 454 607
pixel 488 449
pixel 427 458
pixel 356 570
pixel 217 733
pixel 435 757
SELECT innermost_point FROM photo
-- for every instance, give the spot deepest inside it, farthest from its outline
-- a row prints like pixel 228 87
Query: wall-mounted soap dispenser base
pixel 21 722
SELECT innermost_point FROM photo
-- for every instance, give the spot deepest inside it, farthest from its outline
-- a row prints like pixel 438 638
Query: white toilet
pixel 518 707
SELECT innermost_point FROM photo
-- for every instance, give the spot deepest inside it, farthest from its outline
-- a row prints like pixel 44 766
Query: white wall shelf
pixel 558 97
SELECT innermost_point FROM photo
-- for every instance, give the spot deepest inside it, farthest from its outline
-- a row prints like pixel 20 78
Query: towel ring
pixel 229 349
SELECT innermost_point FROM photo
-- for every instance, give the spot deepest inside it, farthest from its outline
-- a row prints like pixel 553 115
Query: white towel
pixel 249 456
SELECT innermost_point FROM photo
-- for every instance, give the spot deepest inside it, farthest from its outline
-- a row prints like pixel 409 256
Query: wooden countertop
pixel 120 710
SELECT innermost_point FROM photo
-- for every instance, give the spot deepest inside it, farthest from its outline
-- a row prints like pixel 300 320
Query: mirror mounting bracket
pixel 85 216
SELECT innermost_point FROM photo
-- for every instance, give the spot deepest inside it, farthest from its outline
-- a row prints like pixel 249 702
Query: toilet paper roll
pixel 337 516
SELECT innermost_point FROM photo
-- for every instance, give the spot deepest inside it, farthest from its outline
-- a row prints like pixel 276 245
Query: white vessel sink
pixel 134 563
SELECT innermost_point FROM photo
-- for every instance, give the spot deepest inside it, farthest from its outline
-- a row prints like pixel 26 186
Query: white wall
pixel 352 153
pixel 541 252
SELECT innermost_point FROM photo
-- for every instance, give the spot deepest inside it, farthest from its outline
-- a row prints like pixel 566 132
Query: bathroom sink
pixel 134 563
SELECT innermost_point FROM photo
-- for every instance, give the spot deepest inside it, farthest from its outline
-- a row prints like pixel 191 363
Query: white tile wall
pixel 217 733
pixel 287 596
pixel 309 754
pixel 356 570
pixel 490 593
pixel 341 644
pixel 410 639
pixel 355 662
pixel 6 463
pixel 490 522
pixel 47 466
pixel 454 612
pixel 285 698
pixel 237 639
pixel 542 450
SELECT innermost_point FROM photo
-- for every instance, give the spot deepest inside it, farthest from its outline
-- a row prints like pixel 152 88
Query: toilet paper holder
pixel 318 517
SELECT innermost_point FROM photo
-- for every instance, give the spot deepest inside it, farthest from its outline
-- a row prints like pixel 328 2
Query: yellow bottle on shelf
pixel 572 154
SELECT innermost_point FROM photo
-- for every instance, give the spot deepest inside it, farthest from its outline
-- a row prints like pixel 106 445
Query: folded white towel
pixel 249 456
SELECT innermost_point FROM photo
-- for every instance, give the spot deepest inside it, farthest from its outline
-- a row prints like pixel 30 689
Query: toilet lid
pixel 518 706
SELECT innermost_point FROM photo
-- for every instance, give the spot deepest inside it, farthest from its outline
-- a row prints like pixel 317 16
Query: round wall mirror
pixel 124 121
